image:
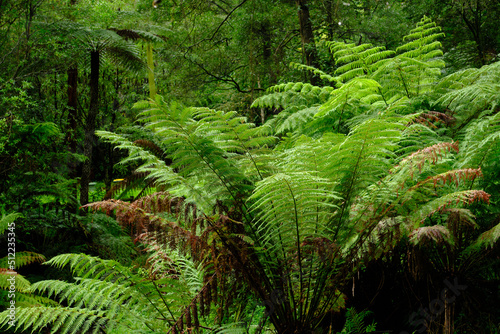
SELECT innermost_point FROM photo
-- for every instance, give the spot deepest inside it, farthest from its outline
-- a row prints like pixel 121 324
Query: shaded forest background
pixel 272 85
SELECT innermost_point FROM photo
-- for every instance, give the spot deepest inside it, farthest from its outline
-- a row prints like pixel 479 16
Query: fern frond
pixel 358 89
pixel 481 145
pixel 297 94
pixel 199 152
pixel 425 235
pixel 487 239
pixel 22 259
pixel 429 154
pixel 459 197
pixel 61 319
pixel 452 176
pixel 84 266
pixel 6 222
pixel 22 284
pixel 135 35
pixel 321 74
pixel 355 322
pixel 359 60
pixel 290 120
pixel 290 207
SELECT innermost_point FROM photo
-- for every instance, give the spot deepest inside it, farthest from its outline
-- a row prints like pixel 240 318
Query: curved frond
pixel 448 200
pixel 425 235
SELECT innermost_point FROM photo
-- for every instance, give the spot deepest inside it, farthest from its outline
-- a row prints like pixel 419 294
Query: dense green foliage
pixel 305 166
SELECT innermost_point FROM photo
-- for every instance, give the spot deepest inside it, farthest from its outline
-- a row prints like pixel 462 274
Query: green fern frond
pixel 293 94
pixel 470 93
pixel 355 322
pixel 135 35
pixel 291 207
pixel 358 89
pixel 359 60
pixel 290 120
pixel 232 328
pixel 83 265
pixel 31 300
pixel 22 259
pixel 487 239
pixel 6 221
pixel 21 283
pixel 164 260
pixel 63 320
pixel 481 145
pixel 321 74
pixel 422 39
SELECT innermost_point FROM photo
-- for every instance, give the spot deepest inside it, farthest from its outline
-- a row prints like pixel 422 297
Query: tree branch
pixel 219 27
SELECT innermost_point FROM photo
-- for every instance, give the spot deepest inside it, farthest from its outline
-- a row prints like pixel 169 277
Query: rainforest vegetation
pixel 249 166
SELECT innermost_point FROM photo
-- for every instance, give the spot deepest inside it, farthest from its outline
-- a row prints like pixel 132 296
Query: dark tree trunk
pixel 90 127
pixel 72 105
pixel 307 37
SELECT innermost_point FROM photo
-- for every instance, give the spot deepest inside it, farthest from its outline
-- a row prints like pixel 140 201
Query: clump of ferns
pixel 411 194
pixel 198 235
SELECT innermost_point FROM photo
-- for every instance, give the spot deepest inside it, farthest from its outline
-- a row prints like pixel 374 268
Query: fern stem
pixel 299 256
pixel 350 189
pixel 404 82
pixel 383 97
pixel 166 305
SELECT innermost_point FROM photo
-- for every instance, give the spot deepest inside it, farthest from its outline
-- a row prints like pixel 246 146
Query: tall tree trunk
pixel 72 105
pixel 307 37
pixel 90 127
pixel 151 73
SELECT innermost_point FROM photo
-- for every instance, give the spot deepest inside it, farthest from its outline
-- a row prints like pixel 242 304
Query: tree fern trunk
pixel 448 316
pixel 90 127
